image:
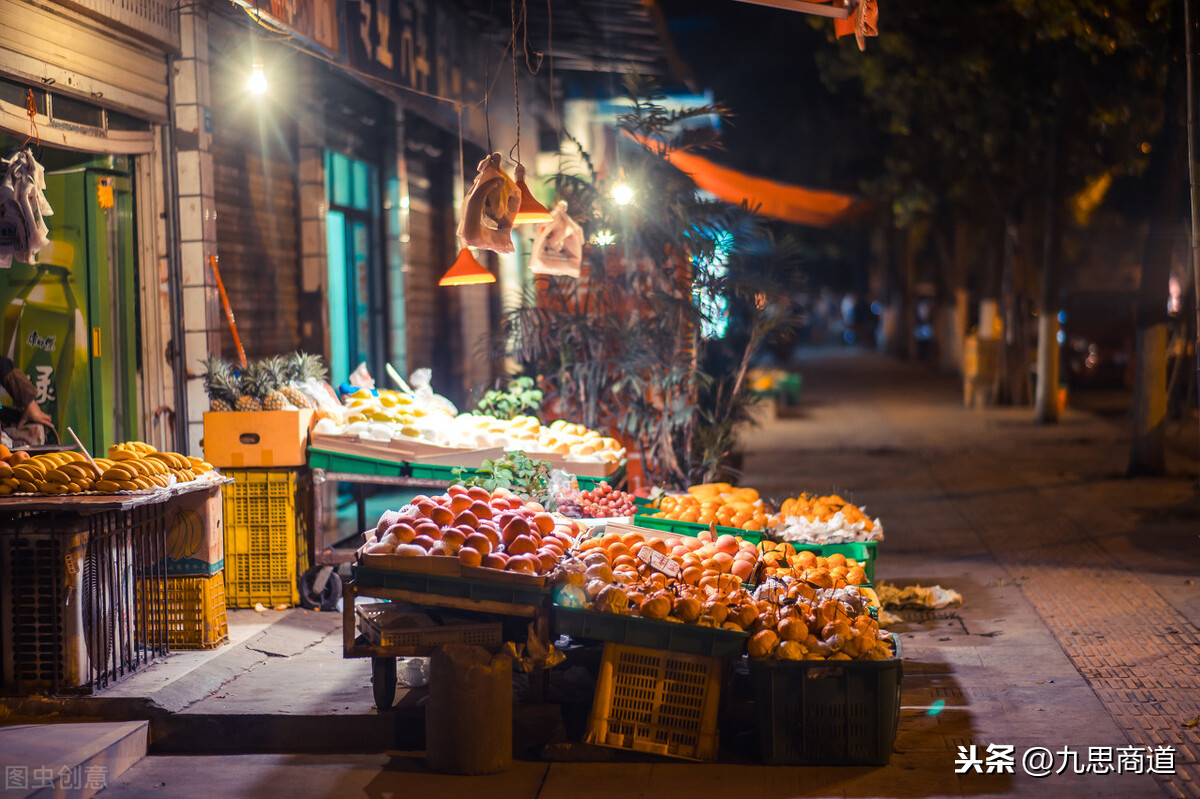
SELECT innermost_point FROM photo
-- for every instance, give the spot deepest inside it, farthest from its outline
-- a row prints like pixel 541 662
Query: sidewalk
pixel 1080 625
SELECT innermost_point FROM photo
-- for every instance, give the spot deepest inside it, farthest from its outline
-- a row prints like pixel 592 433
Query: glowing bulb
pixel 603 238
pixel 257 84
pixel 622 194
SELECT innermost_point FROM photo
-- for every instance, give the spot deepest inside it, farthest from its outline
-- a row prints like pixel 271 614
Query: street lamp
pixel 622 194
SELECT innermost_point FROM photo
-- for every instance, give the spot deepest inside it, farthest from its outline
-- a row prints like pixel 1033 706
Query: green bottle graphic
pixel 44 332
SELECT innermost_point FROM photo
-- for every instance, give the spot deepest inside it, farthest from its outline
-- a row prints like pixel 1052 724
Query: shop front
pixel 87 316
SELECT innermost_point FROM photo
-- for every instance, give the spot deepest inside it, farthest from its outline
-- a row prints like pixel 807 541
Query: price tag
pixel 659 562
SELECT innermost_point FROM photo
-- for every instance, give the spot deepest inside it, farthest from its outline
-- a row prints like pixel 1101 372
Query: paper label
pixel 659 562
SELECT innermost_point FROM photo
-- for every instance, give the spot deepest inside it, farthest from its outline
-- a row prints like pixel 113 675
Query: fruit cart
pixel 512 598
pixel 330 466
pixel 88 581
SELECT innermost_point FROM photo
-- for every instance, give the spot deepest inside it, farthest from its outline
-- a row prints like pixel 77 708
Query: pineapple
pixel 301 367
pixel 256 384
pixel 248 403
pixel 270 376
pixel 220 384
pixel 276 401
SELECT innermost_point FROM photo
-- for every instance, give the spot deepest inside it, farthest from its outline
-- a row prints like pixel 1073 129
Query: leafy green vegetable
pixel 521 398
pixel 517 472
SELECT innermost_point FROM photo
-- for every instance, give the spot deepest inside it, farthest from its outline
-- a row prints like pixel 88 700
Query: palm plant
pixel 624 346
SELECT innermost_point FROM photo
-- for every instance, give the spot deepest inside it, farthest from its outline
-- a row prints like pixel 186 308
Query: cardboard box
pixel 196 534
pixel 246 439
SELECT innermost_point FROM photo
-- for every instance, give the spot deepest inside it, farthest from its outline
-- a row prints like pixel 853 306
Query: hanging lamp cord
pixel 516 85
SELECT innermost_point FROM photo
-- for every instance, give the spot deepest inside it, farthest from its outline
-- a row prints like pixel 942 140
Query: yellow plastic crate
pixel 656 701
pixel 265 549
pixel 196 612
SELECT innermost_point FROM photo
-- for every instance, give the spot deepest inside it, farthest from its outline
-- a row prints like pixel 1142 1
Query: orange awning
pixel 776 200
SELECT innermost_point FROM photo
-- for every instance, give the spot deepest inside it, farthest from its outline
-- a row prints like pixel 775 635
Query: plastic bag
pixel 489 208
pixel 361 377
pixel 563 488
pixel 421 382
pixel 328 405
pixel 558 245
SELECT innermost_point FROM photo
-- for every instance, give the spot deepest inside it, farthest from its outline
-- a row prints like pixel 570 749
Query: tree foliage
pixel 968 96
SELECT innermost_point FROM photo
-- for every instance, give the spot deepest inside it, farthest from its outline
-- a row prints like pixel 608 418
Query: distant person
pixel 20 406
pixel 849 331
pixel 923 330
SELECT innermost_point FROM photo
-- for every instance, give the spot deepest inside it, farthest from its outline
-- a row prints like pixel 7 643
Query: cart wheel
pixel 383 682
pixel 326 598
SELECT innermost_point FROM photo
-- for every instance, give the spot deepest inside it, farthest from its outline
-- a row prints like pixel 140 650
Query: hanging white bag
pixel 490 208
pixel 558 245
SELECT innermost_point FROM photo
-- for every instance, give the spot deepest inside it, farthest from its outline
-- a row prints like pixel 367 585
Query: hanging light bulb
pixel 257 83
pixel 466 271
pixel 622 194
pixel 531 210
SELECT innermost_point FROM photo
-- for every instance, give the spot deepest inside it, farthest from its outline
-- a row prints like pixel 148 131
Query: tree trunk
pixel 1191 41
pixel 900 328
pixel 1045 400
pixel 1146 452
pixel 1005 391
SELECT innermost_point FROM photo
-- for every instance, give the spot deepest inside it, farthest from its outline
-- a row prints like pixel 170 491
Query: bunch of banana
pixel 137 459
pixel 49 473
pixel 131 466
pixel 133 474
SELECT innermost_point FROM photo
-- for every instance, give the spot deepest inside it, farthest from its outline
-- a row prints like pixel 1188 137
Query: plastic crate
pixel 354 464
pixel 690 528
pixel 690 639
pixel 661 703
pixel 440 472
pixel 827 713
pixel 445 585
pixel 863 552
pixel 615 479
pixel 196 612
pixel 265 547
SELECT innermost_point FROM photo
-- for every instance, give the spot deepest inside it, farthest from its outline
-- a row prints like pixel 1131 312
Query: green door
pixel 70 321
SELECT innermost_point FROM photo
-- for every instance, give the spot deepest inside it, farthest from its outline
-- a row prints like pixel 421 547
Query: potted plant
pixel 654 339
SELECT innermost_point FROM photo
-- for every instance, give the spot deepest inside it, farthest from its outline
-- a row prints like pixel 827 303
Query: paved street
pixel 1079 632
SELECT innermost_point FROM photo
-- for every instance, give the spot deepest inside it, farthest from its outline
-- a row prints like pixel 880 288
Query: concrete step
pixel 69 760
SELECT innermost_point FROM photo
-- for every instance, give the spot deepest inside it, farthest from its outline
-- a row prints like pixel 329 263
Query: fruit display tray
pixel 691 639
pixel 691 528
pixel 473 587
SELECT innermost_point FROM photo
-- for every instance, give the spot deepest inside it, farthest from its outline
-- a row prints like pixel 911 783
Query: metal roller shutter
pixel 71 53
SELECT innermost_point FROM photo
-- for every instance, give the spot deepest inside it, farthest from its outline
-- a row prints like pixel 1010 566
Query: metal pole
pixel 1189 20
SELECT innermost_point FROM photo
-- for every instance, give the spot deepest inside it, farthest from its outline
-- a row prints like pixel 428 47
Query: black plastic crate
pixel 827 713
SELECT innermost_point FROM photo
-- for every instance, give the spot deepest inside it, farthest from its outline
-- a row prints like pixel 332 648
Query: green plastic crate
pixel 438 472
pixel 444 585
pixel 589 483
pixel 691 639
pixel 863 552
pixel 827 713
pixel 354 464
pixel 691 528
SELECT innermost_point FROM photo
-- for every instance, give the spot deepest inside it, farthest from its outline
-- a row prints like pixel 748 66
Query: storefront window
pixel 356 313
